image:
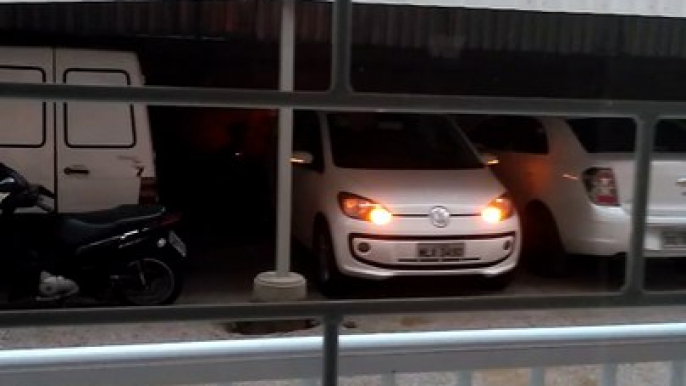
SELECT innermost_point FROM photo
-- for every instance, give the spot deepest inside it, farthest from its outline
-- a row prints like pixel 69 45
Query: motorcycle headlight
pixel 364 209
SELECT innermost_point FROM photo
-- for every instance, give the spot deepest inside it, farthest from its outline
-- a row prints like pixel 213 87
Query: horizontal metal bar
pixel 316 309
pixel 300 357
pixel 214 97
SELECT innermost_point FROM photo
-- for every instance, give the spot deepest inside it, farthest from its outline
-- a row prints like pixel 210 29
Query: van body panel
pixel 95 153
pixel 101 148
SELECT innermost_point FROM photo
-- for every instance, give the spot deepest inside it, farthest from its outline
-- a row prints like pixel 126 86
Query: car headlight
pixel 498 210
pixel 364 209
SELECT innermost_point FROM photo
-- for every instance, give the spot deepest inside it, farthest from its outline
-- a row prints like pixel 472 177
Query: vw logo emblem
pixel 439 216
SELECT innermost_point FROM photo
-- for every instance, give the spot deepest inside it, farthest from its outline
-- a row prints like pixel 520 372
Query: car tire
pixel 542 248
pixel 330 280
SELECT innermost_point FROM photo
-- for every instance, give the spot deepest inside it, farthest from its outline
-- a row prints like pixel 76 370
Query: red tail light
pixel 601 186
pixel 148 191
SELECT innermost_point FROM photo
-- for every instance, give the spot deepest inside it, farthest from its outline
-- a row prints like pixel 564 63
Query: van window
pixel 22 122
pixel 91 124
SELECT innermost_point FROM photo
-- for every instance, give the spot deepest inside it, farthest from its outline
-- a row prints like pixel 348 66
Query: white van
pixel 93 155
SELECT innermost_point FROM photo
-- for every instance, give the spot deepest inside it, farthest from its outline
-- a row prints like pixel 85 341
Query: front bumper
pixel 606 232
pixel 485 250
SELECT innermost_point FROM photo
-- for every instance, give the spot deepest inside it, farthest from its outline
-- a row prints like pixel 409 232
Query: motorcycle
pixel 130 251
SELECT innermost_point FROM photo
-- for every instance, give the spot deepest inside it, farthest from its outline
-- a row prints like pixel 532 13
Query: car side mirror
pixel 302 158
pixel 489 159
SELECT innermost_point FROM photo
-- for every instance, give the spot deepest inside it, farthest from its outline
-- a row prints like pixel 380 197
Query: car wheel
pixel 329 278
pixel 542 250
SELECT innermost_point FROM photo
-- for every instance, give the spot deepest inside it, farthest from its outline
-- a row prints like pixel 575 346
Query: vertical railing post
pixel 388 379
pixel 609 375
pixel 341 40
pixel 677 376
pixel 635 264
pixel 286 76
pixel 464 378
pixel 330 350
pixel 537 376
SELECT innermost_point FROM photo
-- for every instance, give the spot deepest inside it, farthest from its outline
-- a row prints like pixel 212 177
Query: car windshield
pixel 618 135
pixel 398 141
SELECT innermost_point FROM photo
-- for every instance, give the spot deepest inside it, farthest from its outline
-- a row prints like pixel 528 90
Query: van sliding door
pixel 97 164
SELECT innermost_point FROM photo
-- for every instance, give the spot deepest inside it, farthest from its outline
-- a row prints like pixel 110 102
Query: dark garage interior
pixel 396 49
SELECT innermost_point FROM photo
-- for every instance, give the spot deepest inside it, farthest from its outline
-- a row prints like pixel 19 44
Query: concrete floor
pixel 222 272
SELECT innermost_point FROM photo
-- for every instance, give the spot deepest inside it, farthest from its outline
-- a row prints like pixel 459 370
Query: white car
pixel 379 195
pixel 572 181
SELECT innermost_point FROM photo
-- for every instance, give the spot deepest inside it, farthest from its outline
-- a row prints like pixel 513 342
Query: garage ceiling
pixel 444 32
pixel 669 8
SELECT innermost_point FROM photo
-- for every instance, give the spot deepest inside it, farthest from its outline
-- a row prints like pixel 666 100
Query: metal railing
pixel 390 355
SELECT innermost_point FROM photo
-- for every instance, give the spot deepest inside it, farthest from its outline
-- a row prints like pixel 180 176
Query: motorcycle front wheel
pixel 150 282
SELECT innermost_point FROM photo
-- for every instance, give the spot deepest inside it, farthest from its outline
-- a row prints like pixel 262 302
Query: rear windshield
pixel 618 135
pixel 398 141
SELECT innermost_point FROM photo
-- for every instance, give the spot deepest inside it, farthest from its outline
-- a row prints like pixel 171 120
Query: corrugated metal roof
pixel 443 31
pixel 667 8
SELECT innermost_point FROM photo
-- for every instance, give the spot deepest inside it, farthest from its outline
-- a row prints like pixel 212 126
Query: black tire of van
pixel 329 278
pixel 542 249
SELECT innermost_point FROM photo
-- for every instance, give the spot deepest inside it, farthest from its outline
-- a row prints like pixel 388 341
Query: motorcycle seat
pixel 81 228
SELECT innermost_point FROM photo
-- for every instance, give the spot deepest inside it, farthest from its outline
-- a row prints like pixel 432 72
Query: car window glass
pixel 670 136
pixel 528 135
pixel 398 141
pixel 618 135
pixel 605 135
pixel 492 134
pixel 307 136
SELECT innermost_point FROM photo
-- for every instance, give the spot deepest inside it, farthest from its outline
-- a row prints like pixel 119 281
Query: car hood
pixel 415 192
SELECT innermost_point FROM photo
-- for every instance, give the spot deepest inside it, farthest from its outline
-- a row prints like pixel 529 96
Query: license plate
pixel 440 250
pixel 177 243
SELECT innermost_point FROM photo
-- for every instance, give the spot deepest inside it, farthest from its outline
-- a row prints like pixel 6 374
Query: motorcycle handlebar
pixel 45 192
pixel 44 206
